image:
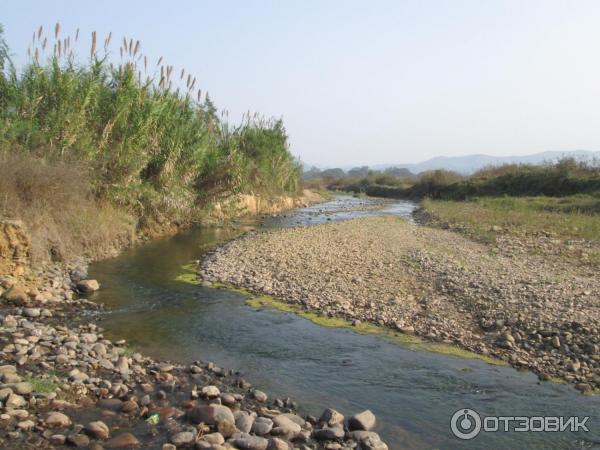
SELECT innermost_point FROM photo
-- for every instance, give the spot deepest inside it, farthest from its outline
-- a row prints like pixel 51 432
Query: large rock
pixel 329 434
pixel 97 430
pixel 122 364
pixel 214 438
pixel 7 369
pixel 5 392
pixel 362 421
pixel 25 425
pixel 251 443
pixel 210 392
pixel 295 418
pixel 210 414
pixel 89 338
pixel 183 439
pixel 244 422
pixel 360 436
pixel 262 426
pixel 259 396
pixel 123 440
pixel 373 443
pixel 88 286
pixel 57 420
pixel 284 425
pixel 15 401
pixel 22 388
pixel 9 322
pixel 78 440
pixel 16 295
pixel 32 312
pixel 331 417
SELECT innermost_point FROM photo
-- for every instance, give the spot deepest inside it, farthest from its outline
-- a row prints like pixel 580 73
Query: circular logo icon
pixel 465 424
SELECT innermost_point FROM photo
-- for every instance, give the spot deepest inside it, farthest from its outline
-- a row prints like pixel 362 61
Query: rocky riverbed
pixel 63 384
pixel 531 310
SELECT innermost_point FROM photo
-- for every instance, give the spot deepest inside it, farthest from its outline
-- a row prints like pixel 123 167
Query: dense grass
pixel 153 140
pixel 572 217
pixel 88 143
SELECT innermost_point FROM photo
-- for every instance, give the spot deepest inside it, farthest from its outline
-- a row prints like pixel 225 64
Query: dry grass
pixel 56 203
pixel 559 217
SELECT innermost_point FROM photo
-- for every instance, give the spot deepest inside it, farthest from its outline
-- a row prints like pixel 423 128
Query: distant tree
pixel 399 172
pixel 333 173
pixel 359 172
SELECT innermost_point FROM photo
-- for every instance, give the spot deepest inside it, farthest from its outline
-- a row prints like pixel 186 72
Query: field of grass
pixel 570 217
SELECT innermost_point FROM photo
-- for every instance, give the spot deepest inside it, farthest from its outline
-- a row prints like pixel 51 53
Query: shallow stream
pixel 413 393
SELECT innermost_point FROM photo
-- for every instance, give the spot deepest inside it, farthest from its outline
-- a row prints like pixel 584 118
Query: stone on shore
pixel 183 438
pixel 259 396
pixel 210 414
pixel 331 417
pixel 87 286
pixel 122 440
pixel 362 421
pixel 16 295
pixel 97 430
pixel 57 420
pixel 251 443
pixel 210 392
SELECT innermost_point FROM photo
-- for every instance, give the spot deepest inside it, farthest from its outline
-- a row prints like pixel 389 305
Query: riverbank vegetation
pixel 560 199
pixel 553 179
pixel 571 217
pixel 97 145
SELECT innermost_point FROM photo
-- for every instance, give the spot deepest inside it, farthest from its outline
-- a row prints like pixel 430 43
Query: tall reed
pixel 155 140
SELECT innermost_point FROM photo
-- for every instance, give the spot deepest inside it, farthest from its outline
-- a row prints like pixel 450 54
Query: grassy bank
pixel 95 147
pixel 569 225
pixel 570 217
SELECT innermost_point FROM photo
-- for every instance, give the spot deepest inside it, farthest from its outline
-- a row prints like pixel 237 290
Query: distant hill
pixel 470 163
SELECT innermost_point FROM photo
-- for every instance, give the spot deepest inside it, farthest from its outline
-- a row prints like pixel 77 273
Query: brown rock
pixel 211 414
pixel 16 295
pixel 88 286
pixel 97 430
pixel 122 440
pixel 362 421
pixel 57 420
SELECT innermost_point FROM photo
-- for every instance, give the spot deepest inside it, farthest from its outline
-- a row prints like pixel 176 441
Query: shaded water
pixel 413 393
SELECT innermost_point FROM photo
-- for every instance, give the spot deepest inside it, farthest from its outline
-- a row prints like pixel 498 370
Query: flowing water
pixel 413 393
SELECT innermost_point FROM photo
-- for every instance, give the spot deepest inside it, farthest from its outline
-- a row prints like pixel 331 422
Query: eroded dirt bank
pixel 533 311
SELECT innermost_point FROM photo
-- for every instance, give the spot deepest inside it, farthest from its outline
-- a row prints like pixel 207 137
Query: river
pixel 413 393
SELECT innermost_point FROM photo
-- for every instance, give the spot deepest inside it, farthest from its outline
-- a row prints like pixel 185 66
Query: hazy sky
pixel 367 82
